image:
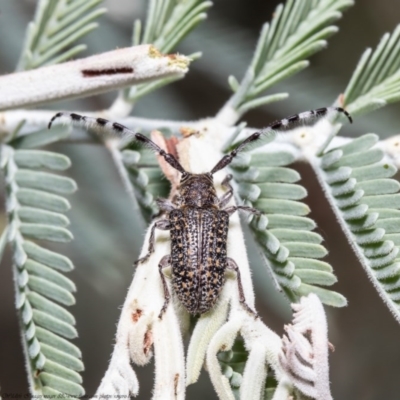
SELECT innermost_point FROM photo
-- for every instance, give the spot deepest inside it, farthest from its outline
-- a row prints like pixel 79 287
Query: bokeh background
pixel 108 234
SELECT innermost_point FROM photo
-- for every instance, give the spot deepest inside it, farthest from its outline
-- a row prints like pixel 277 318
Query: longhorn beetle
pixel 197 219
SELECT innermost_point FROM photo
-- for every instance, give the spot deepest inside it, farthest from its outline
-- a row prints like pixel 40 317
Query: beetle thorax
pixel 197 190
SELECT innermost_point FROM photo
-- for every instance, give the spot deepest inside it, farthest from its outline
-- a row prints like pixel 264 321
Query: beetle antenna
pixel 276 125
pixel 118 130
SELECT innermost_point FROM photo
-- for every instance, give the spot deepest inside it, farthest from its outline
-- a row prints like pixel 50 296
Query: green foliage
pixel 297 30
pixel 375 81
pixel 168 22
pixel 284 233
pixel 367 203
pixel 35 204
pixel 232 364
pixel 146 178
pixel 57 25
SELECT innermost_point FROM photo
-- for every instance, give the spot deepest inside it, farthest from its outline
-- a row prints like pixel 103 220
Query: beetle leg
pixel 231 210
pixel 164 263
pixel 165 204
pixel 162 224
pixel 226 197
pixel 233 266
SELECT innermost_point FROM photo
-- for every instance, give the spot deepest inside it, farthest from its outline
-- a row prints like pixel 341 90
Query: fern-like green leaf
pixel 292 251
pixel 233 363
pixel 356 178
pixel 375 81
pixel 298 30
pixel 34 213
pixel 146 177
pixel 168 22
pixel 57 25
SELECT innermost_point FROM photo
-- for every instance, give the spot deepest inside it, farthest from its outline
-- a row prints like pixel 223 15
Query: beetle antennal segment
pixel 277 125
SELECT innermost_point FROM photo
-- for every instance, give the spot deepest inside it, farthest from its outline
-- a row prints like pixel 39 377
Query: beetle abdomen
pixel 198 256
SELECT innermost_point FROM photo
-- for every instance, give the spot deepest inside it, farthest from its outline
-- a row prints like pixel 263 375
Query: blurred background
pixel 108 233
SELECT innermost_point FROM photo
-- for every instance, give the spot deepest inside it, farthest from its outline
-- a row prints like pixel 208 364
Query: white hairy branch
pixel 88 76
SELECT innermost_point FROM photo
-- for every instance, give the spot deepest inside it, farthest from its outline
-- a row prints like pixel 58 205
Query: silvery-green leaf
pixel 379 186
pixel 248 191
pixel 291 283
pixel 349 200
pixel 272 206
pixel 27 313
pixel 34 348
pixel 54 324
pixel 359 144
pixel 331 158
pixel 35 268
pixel 385 213
pixel 41 159
pixel 307 263
pixel 384 201
pixel 370 236
pixel 395 238
pixel 154 175
pixel 41 137
pixel 388 271
pixel 39 199
pixel 367 222
pixel 314 277
pixel 57 342
pixel 130 157
pixel 46 232
pixel 327 297
pixel 59 370
pixel 270 174
pixel 63 385
pixel 47 257
pixel 360 159
pixel 268 240
pixel 379 249
pixel 282 191
pixel 20 299
pixel 282 254
pixel 290 221
pixel 20 256
pixel 391 225
pixel 343 188
pixel 311 250
pixel 269 159
pixel 376 171
pixel 62 358
pixel 30 331
pixel 22 278
pixel 41 303
pixel 338 175
pixel 40 361
pixel 35 215
pixel 50 290
pixel 355 212
pixel 286 268
pixel 290 235
pixel 45 181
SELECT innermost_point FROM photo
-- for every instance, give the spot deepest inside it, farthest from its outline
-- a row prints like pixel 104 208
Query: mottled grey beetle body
pixel 198 223
pixel 198 256
pixel 197 220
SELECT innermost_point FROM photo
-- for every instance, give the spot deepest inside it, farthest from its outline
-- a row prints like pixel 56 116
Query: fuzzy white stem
pixel 88 76
pixel 228 115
